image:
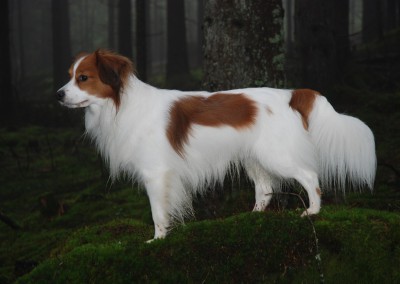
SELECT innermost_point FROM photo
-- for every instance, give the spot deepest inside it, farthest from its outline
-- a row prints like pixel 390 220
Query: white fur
pixel 345 146
pixel 277 147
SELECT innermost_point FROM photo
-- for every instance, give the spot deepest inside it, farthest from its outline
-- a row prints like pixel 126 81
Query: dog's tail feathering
pixel 345 147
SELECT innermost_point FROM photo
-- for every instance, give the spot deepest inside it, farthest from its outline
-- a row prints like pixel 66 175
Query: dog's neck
pixel 105 124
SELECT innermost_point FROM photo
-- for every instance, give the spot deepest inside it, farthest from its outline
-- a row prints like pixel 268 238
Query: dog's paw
pixel 155 239
pixel 309 212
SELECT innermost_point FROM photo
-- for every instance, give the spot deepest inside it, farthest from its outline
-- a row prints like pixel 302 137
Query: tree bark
pixel 200 34
pixel 391 14
pixel 372 20
pixel 111 24
pixel 61 42
pixel 21 50
pixel 321 41
pixel 243 44
pixel 177 56
pixel 141 39
pixel 124 28
pixel 6 94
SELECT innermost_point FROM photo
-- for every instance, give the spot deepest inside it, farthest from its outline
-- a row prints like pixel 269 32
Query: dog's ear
pixel 114 70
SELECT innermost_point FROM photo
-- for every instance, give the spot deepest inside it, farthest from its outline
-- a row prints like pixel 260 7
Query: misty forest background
pixel 62 221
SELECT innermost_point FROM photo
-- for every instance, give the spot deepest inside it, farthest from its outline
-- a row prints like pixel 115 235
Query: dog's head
pixel 96 77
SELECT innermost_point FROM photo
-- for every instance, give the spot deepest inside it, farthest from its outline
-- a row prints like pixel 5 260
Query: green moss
pixel 212 250
pixel 357 245
pixel 39 162
pixel 360 245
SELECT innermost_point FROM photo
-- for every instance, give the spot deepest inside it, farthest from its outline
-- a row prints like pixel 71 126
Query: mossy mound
pixel 354 245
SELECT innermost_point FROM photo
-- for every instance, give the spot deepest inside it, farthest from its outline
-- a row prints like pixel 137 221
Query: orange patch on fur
pixel 303 101
pixel 235 110
pixel 93 85
pixel 106 73
pixel 319 192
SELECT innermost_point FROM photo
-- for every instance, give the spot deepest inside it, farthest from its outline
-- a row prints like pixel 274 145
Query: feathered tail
pixel 345 147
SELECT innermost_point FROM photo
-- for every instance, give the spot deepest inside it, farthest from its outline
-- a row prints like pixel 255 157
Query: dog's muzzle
pixel 60 95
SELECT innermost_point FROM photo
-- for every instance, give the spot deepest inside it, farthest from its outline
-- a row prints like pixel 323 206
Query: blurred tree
pixel 20 41
pixel 392 15
pixel 61 42
pixel 321 41
pixel 243 44
pixel 141 39
pixel 124 28
pixel 111 24
pixel 177 56
pixel 6 94
pixel 200 34
pixel 289 17
pixel 340 26
pixel 372 27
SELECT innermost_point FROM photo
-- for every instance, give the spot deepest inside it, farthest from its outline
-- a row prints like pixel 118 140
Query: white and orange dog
pixel 178 143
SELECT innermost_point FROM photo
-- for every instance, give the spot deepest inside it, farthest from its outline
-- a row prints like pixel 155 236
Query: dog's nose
pixel 60 95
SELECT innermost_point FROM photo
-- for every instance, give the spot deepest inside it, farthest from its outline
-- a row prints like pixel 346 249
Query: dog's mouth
pixel 83 103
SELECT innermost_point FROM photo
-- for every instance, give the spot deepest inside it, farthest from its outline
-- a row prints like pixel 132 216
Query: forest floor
pixel 63 221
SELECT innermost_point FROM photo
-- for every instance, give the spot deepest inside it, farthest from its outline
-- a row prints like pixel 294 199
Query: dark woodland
pixel 63 221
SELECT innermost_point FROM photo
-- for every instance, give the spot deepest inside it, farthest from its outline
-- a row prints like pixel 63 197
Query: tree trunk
pixel 200 33
pixel 111 24
pixel 61 42
pixel 243 44
pixel 321 41
pixel 177 56
pixel 124 28
pixel 20 37
pixel 6 94
pixel 141 39
pixel 372 20
pixel 391 14
pixel 340 28
pixel 289 15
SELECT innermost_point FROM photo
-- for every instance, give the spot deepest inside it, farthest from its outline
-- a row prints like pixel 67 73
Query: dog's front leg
pixel 158 195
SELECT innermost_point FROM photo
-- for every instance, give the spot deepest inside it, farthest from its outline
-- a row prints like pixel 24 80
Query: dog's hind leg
pixel 289 166
pixel 309 180
pixel 262 182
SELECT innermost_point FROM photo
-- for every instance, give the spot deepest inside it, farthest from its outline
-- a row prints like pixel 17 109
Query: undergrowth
pixel 357 246
pixel 53 182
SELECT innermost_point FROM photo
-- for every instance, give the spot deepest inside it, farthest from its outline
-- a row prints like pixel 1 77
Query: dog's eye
pixel 82 78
